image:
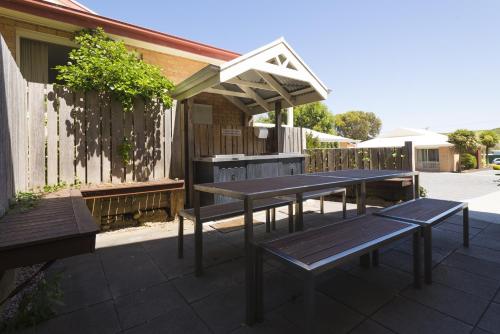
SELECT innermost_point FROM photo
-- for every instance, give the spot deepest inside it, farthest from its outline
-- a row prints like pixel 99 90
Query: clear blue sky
pixel 414 63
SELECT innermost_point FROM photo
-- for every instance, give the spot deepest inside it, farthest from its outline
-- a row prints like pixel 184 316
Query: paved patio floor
pixel 134 283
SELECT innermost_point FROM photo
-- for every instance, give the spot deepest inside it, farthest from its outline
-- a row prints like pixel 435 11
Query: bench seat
pixel 428 212
pixel 215 212
pixel 319 250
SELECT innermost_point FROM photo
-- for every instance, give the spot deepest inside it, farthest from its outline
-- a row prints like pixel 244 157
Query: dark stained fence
pixel 331 159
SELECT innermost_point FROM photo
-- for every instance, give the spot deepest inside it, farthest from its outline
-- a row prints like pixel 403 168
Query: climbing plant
pixel 104 65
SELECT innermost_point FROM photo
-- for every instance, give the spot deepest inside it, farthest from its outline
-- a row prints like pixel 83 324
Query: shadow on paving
pixel 142 287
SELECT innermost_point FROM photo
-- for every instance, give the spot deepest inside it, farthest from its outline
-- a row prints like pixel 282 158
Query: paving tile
pixel 85 294
pixel 178 320
pixel 99 318
pixel 273 323
pixel 222 312
pixel 491 319
pixel 132 272
pixel 147 304
pixel 384 276
pixel 365 297
pixel 473 265
pixel 456 303
pixel 497 298
pixel 482 253
pixel 370 327
pixel 468 282
pixel 484 240
pixel 213 280
pixel 478 330
pixel 473 231
pixel 458 220
pixel 407 317
pixel 330 317
pixel 493 231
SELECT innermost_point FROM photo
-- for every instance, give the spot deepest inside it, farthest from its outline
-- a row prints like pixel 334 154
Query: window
pixel 38 60
pixel 428 155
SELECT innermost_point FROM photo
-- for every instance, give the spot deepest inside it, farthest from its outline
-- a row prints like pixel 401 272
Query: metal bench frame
pixel 309 273
pixel 426 228
pixel 270 209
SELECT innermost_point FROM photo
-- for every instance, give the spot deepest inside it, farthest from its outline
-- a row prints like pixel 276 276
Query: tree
pixel 464 140
pixel 315 116
pixel 489 138
pixel 358 125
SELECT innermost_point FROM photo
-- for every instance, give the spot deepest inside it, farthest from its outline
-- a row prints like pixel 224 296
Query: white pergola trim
pixel 255 76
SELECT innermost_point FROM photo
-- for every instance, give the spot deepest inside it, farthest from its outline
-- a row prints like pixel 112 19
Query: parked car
pixel 496 161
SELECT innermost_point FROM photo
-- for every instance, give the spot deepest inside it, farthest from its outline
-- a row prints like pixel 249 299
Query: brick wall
pixel 223 111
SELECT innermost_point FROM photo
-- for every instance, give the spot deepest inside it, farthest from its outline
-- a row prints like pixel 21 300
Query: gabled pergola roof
pixel 255 80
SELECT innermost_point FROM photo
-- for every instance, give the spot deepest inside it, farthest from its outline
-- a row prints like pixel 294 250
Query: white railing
pixel 427 165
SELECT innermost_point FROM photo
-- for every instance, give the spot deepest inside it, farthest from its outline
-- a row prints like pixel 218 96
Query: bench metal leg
pixel 259 283
pixel 416 187
pixel 322 205
pixel 364 260
pixel 466 226
pixel 416 260
pixel 249 263
pixel 268 221
pixel 299 218
pixel 180 238
pixel 375 258
pixel 309 305
pixel 290 217
pixel 198 235
pixel 344 204
pixel 273 219
pixel 428 254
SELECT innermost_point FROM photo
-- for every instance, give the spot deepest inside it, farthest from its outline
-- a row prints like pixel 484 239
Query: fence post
pixel 410 152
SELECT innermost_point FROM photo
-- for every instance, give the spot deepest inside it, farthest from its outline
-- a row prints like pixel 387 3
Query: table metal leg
pixel 259 282
pixel 344 204
pixel 416 187
pixel 364 260
pixel 249 259
pixel 290 217
pixel 416 260
pixel 299 218
pixel 309 304
pixel 466 226
pixel 198 235
pixel 180 238
pixel 273 218
pixel 268 220
pixel 375 258
pixel 428 254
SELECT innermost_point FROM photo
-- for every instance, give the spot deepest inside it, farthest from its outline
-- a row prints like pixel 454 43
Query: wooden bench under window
pixel 320 250
pixel 428 212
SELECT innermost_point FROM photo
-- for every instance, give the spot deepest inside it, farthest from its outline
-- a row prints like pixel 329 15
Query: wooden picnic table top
pixel 423 210
pixel 327 244
pixel 287 185
pixel 59 225
pixel 130 188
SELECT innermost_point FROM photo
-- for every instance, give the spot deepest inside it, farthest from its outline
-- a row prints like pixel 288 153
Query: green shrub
pixel 496 167
pixel 106 66
pixel 468 161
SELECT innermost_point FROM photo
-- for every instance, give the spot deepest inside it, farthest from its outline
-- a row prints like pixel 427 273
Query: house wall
pixel 173 67
pixel 448 159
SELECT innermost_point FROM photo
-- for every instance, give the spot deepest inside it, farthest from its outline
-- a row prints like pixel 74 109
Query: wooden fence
pixel 330 159
pixel 13 129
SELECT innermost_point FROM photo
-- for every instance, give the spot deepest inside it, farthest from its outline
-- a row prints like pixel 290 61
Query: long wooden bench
pixel 320 250
pixel 428 212
pixel 216 212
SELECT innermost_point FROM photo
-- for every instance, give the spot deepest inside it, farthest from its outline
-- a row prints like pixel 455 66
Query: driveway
pixel 480 189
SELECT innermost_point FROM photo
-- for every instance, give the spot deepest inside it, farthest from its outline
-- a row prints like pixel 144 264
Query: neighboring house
pixel 433 152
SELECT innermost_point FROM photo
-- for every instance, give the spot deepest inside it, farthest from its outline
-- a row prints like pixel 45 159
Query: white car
pixel 496 161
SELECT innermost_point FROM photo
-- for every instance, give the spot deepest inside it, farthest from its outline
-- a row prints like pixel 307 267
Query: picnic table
pixel 250 190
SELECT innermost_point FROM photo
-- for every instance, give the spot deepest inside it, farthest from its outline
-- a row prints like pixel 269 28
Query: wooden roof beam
pixel 277 87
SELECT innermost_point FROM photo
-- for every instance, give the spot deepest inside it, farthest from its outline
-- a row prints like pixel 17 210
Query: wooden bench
pixel 319 250
pixel 58 226
pixel 428 212
pixel 321 194
pixel 233 209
